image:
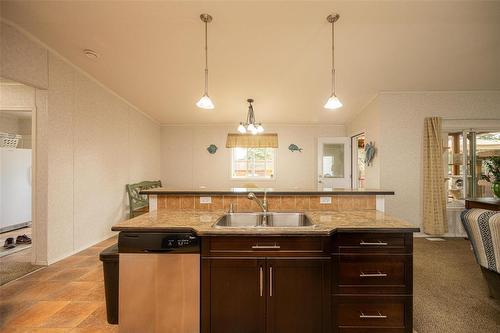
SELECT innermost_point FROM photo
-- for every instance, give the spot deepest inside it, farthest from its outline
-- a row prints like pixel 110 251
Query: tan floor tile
pixel 35 330
pixel 42 275
pixel 37 314
pixel 95 274
pixel 36 290
pixel 71 315
pixel 73 291
pixel 97 319
pixel 69 274
pixel 111 329
pixel 91 251
pixel 9 309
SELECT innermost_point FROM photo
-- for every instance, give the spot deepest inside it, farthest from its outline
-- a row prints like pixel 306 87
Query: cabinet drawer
pixel 388 312
pixel 264 246
pixel 372 243
pixel 372 274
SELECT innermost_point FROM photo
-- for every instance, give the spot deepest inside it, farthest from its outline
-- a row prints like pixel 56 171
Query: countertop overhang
pixel 326 223
pixel 268 191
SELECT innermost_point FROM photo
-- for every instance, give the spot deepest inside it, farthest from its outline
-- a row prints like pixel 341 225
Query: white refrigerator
pixel 15 188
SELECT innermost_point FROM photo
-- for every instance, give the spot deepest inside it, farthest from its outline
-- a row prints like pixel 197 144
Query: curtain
pixel 269 140
pixel 434 222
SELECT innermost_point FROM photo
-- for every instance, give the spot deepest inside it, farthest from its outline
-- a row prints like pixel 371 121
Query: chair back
pixel 483 229
pixel 138 203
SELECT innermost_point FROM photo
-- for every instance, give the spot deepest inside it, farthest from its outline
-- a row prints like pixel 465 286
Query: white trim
pixel 78 69
pixel 278 124
pixel 257 178
pixel 153 202
pixel 380 203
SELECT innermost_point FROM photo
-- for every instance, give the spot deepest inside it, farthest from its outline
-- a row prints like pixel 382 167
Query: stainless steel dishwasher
pixel 159 282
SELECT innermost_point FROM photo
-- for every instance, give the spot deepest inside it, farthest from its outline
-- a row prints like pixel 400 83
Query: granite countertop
pixel 325 223
pixel 269 191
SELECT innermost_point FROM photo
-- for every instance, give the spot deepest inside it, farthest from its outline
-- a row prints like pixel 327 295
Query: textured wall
pixel 400 136
pixel 185 162
pixel 21 59
pixel 368 121
pixel 97 144
pixel 89 142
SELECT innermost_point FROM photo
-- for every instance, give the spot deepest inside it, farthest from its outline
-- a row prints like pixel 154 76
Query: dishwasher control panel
pixel 158 242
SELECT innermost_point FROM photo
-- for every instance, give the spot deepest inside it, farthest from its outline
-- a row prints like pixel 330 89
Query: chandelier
pixel 250 125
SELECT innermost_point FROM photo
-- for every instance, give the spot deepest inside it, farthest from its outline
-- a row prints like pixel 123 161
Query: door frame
pixel 347 161
pixel 34 227
pixel 354 159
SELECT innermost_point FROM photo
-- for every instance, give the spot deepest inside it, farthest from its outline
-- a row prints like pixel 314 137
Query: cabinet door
pixel 236 296
pixel 298 295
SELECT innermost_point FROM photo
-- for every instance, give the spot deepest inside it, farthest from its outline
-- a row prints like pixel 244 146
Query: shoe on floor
pixel 23 239
pixel 9 243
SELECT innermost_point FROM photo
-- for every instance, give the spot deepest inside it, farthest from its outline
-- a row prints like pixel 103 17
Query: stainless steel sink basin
pixel 255 220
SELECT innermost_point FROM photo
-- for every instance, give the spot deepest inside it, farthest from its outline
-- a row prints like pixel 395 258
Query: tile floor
pixel 67 296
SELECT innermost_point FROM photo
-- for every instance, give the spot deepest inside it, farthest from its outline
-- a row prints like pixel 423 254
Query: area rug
pixel 12 270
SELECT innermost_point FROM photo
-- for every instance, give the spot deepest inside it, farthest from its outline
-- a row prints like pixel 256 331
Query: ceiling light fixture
pixel 250 125
pixel 333 102
pixel 205 102
pixel 91 54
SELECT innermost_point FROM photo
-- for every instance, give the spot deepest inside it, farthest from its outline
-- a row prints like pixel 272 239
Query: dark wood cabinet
pixel 264 291
pixel 237 301
pixel 372 282
pixel 356 282
pixel 298 295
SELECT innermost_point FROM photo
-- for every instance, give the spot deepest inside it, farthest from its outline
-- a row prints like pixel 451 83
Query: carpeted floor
pixel 450 294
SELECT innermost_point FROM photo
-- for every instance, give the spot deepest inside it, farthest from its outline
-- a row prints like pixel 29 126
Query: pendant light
pixel 205 102
pixel 333 102
pixel 250 125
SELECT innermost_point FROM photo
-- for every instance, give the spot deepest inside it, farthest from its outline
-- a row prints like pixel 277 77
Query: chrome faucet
pixel 262 204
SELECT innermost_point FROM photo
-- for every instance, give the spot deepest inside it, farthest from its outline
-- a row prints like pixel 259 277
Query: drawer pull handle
pixel 378 274
pixel 379 243
pixel 377 316
pixel 266 247
pixel 261 281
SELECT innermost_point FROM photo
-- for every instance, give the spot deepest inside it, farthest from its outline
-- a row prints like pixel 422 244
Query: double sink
pixel 263 220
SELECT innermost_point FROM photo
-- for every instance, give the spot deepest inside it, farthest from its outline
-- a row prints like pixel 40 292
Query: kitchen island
pixel 349 270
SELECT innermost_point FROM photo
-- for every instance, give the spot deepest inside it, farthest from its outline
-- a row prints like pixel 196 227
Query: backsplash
pixel 275 203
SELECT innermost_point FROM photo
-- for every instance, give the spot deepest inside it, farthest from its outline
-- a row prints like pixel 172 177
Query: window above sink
pixel 253 163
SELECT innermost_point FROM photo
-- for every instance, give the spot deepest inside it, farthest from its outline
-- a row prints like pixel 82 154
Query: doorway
pixel 358 161
pixel 16 179
pixel 334 162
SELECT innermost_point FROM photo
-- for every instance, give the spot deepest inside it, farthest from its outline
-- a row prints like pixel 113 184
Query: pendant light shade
pixel 333 102
pixel 205 102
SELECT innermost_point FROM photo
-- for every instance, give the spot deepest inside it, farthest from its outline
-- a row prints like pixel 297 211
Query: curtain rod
pixel 445 118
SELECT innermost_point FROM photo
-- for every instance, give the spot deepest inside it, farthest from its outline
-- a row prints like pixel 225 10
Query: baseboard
pixel 53 261
pixel 15 226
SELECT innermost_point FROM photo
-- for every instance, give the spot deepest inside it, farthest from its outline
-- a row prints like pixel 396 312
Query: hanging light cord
pixel 333 57
pixel 206 58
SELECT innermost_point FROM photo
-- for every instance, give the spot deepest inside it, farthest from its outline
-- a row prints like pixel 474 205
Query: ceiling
pixel 151 52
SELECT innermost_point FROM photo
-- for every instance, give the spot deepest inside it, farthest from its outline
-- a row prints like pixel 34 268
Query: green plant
pixel 492 165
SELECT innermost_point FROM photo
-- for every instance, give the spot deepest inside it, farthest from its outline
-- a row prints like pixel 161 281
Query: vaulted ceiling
pixel 151 52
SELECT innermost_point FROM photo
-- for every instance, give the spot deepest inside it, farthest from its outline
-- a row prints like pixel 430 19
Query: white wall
pixel 368 122
pixel 400 122
pixel 89 142
pixel 185 162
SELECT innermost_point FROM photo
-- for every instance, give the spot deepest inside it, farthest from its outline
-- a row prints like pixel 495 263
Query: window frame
pixel 256 178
